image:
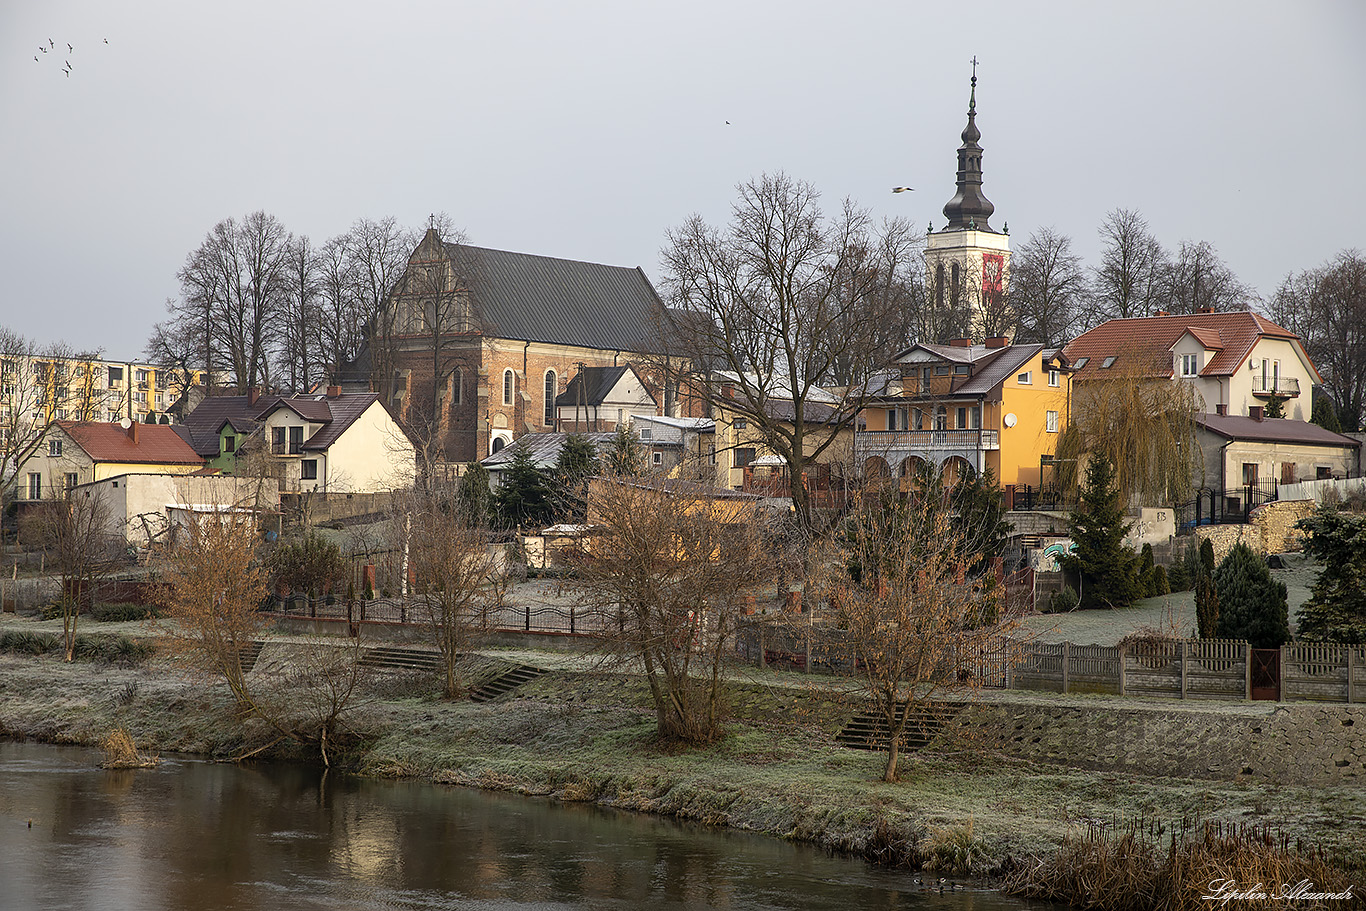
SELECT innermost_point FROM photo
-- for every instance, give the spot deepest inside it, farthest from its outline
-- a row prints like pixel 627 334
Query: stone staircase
pixel 394 658
pixel 505 683
pixel 248 654
pixel 869 731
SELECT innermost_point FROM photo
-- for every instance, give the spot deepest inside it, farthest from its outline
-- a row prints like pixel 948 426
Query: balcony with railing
pixel 1270 386
pixel 876 442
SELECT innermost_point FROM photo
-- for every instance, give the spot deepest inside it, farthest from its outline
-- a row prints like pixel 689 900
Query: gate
pixel 1266 673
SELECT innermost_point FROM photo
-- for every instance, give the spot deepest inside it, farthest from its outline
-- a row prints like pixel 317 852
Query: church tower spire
pixel 969 209
pixel 967 262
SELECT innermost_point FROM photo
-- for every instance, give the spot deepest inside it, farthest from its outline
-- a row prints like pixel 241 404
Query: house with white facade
pixel 326 442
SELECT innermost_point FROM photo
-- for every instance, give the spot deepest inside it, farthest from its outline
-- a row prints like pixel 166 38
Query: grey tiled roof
pixel 561 301
pixel 1005 365
pixel 335 414
pixel 544 448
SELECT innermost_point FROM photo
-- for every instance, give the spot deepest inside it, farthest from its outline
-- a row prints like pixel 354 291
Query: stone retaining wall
pixel 1284 744
pixel 1272 530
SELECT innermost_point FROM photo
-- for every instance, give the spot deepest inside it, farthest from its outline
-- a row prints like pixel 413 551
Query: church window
pixel 509 386
pixel 457 385
pixel 550 386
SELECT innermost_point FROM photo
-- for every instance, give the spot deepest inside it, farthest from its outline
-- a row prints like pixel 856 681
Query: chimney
pixel 1255 412
pixel 253 393
pixel 1221 408
pixel 133 432
pixel 960 343
pixel 1205 310
pixel 1161 313
pixel 333 392
pixel 999 341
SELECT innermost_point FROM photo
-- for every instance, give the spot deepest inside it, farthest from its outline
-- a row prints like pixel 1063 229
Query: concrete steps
pixel 393 658
pixel 869 731
pixel 505 683
pixel 249 653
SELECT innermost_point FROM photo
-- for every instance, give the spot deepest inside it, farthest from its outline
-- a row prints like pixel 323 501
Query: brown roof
pixel 157 444
pixel 1272 430
pixel 1145 343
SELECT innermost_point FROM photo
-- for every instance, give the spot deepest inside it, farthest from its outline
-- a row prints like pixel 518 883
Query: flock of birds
pixel 51 46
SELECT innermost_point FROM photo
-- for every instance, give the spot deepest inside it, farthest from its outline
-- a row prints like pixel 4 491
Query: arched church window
pixel 509 387
pixel 550 387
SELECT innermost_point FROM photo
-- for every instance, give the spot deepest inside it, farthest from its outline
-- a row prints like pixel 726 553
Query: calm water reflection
pixel 197 835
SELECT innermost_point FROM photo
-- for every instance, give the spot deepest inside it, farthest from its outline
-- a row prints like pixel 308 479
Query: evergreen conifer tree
pixel 577 462
pixel 525 498
pixel 1252 605
pixel 1325 415
pixel 1336 610
pixel 623 459
pixel 1275 407
pixel 474 500
pixel 1206 606
pixel 1108 569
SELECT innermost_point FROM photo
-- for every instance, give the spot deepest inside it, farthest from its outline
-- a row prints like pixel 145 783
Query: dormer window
pixel 962 369
pixel 1190 364
pixel 1053 378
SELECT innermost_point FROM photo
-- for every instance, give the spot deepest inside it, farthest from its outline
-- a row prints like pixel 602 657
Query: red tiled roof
pixel 157 444
pixel 1146 342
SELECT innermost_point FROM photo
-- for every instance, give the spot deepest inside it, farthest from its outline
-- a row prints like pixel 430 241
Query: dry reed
pixel 121 753
pixel 1125 867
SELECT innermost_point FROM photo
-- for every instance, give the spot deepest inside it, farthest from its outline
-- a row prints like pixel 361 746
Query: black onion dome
pixel 969 209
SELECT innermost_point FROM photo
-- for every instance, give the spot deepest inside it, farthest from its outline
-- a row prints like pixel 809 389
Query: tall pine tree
pixel 1252 605
pixel 526 496
pixel 1108 569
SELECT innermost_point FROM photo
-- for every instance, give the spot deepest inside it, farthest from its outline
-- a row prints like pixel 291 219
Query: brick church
pixel 476 344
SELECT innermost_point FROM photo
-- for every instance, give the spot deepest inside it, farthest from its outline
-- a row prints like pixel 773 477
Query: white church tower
pixel 967 262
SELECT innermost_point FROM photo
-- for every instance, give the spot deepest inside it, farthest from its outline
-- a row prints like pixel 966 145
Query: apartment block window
pixel 509 387
pixel 141 376
pixel 550 387
pixel 1190 364
pixel 296 440
pixel 277 440
pixel 1053 378
pixel 115 377
pixel 1051 422
pixel 54 448
pixel 308 469
pixel 1025 379
pixel 140 397
pixel 35 485
pixel 743 456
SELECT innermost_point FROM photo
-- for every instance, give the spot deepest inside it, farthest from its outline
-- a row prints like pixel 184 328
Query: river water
pixel 198 835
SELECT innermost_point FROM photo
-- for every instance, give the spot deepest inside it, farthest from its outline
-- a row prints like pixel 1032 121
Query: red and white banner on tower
pixel 993 264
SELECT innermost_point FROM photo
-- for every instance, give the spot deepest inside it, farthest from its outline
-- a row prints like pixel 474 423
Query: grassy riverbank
pixel 579 735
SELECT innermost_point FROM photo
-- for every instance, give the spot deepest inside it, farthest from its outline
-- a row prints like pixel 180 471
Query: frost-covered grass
pixel 589 736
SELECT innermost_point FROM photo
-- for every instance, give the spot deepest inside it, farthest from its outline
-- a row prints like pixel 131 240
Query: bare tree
pixel 233 286
pixel 1197 279
pixel 908 596
pixel 75 531
pixel 1326 307
pixel 781 302
pixel 1139 421
pixel 175 347
pixel 1047 286
pixel 377 255
pixel 458 581
pixel 1126 284
pixel 341 321
pixel 300 356
pixel 674 570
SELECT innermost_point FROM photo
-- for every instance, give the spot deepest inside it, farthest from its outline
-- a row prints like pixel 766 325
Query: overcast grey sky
pixel 586 130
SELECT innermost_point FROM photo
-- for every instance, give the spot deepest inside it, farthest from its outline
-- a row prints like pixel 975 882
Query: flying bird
pixel 69 48
pixel 901 189
pixel 49 43
pixel 106 41
pixel 35 58
pixel 43 49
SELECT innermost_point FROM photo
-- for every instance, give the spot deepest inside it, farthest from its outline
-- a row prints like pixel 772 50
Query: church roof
pixel 560 301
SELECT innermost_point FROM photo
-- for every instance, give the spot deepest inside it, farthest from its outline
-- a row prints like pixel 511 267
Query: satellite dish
pixel 125 423
pixel 1009 420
